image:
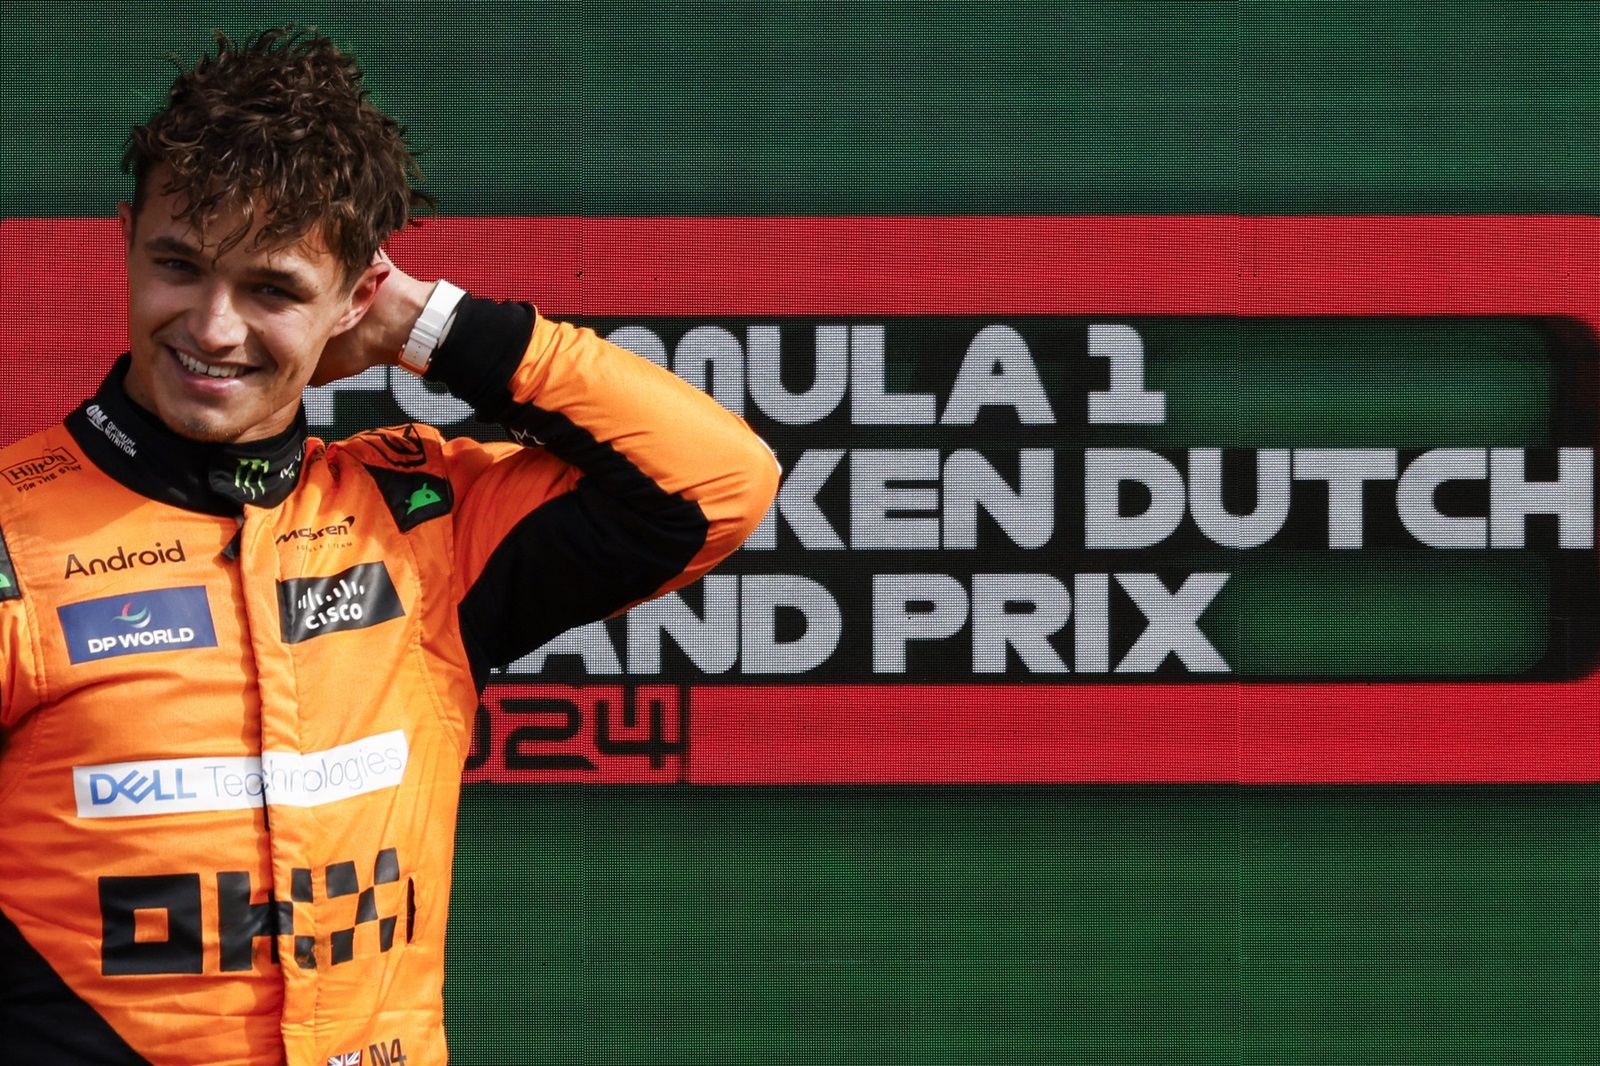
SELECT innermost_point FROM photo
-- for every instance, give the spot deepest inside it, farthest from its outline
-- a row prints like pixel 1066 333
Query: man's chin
pixel 236 417
pixel 203 427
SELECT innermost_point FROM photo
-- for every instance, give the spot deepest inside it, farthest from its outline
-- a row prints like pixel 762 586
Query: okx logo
pixel 361 596
pixel 335 914
pixel 157 620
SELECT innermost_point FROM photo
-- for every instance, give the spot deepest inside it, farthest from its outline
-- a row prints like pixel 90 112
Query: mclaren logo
pixel 310 534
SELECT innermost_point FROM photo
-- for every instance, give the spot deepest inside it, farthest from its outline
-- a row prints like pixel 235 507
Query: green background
pixel 1263 925
pixel 788 108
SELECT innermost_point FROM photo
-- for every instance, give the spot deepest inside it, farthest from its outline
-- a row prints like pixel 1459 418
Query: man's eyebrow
pixel 170 245
pixel 289 279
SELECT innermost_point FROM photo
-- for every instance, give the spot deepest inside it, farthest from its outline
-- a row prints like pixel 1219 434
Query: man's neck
pixel 130 443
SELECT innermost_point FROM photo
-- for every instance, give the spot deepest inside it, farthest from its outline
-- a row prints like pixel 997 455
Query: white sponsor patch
pixel 232 783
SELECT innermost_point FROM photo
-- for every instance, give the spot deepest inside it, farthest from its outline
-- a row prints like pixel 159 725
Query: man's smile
pixel 210 370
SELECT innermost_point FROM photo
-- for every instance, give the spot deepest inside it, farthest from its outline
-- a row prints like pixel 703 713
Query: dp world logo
pixel 157 620
pixel 134 618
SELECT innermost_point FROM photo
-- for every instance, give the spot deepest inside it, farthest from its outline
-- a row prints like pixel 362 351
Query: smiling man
pixel 225 339
pixel 231 750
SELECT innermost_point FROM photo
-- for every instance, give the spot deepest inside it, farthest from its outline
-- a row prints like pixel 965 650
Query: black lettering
pixel 479 752
pixel 343 945
pixel 122 953
pixel 386 868
pixel 390 1055
pixel 656 742
pixel 240 922
pixel 341 880
pixel 367 906
pixel 518 758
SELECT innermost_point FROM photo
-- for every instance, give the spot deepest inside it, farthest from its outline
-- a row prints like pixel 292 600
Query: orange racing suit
pixel 237 682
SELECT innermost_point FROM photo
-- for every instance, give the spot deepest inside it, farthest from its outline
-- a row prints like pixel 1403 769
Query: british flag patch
pixel 349 1058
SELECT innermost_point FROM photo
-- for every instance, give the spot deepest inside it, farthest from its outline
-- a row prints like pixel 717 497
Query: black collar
pixel 132 445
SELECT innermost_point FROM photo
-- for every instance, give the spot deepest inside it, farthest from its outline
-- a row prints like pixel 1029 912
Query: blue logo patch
pixel 139 622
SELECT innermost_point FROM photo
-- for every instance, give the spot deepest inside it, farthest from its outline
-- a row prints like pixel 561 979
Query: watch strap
pixel 431 326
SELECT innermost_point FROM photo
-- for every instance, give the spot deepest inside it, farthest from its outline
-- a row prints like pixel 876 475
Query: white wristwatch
pixel 431 327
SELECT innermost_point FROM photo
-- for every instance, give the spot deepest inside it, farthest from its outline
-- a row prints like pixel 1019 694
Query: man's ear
pixel 125 214
pixel 362 293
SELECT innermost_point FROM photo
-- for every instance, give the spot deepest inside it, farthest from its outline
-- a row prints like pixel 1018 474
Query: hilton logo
pixel 40 469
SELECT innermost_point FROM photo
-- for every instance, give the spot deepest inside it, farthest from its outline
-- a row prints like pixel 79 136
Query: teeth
pixel 195 366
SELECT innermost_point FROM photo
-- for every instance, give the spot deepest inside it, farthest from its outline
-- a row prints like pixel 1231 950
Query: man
pixel 238 665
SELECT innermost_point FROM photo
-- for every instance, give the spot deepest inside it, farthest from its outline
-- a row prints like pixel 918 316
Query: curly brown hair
pixel 280 123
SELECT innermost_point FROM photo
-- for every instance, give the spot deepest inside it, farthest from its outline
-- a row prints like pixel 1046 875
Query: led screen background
pixel 891 923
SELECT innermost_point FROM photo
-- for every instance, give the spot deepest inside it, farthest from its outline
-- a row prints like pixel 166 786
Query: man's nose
pixel 216 323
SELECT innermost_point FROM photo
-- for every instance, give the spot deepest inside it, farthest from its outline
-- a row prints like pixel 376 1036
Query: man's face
pixel 222 346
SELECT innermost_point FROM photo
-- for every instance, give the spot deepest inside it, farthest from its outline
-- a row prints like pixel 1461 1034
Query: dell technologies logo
pixel 242 782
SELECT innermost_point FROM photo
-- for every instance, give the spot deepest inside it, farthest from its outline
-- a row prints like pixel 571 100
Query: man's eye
pixel 176 266
pixel 276 293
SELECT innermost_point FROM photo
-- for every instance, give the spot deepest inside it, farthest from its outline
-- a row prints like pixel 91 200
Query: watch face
pixel 417 353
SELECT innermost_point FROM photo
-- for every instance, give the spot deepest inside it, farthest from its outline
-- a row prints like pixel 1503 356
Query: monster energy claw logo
pixel 250 477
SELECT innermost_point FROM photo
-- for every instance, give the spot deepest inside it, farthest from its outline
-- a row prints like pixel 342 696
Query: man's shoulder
pixel 411 445
pixel 36 460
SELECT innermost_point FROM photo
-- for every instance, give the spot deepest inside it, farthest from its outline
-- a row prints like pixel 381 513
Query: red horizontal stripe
pixel 64 301
pixel 1115 734
pixel 64 309
pixel 1119 266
